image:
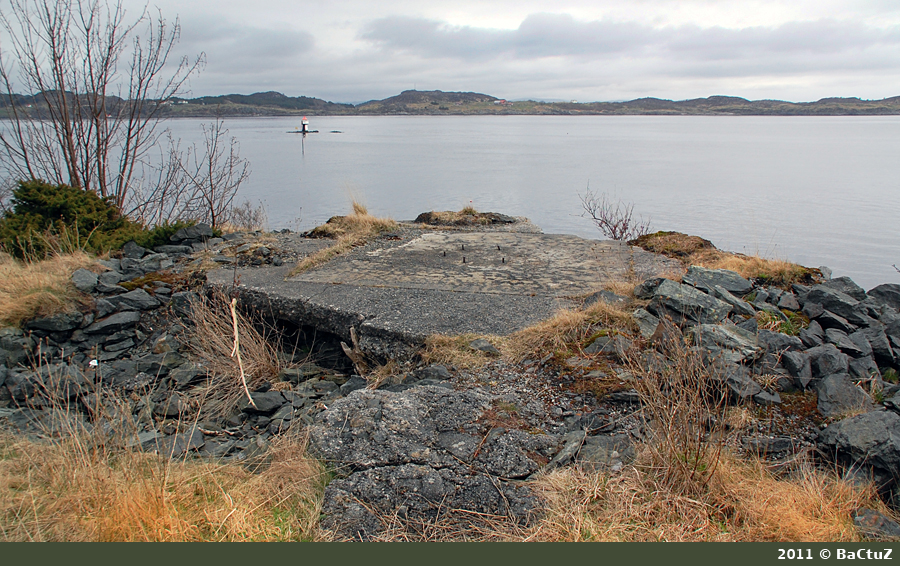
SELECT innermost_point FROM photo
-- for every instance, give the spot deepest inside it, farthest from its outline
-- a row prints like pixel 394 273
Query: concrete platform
pixel 397 291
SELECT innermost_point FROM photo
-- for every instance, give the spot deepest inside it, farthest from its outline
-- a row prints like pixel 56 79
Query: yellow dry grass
pixel 76 490
pixel 454 351
pixel 693 250
pixel 38 288
pixel 746 502
pixel 774 271
pixel 349 231
pixel 211 339
pixel 567 327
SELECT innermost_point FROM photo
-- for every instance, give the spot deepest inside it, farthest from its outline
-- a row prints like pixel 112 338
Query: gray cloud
pixel 561 35
pixel 233 48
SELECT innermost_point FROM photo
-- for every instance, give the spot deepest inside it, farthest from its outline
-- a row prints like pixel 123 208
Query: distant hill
pixel 436 102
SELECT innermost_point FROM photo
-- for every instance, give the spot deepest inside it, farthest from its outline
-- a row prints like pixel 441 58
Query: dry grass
pixel 772 271
pixel 454 351
pixel 569 326
pixel 211 339
pixel 75 489
pixel 693 250
pixel 349 231
pixel 746 502
pixel 38 288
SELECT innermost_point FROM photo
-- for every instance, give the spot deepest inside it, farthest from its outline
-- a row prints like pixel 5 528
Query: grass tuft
pixel 349 231
pixel 30 289
pixel 74 489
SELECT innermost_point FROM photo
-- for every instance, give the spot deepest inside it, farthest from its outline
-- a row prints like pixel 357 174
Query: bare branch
pixel 614 219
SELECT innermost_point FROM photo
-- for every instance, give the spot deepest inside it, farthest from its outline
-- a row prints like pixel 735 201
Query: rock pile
pixel 844 354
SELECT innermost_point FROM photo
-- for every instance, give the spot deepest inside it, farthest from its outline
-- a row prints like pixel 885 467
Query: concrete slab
pixel 398 291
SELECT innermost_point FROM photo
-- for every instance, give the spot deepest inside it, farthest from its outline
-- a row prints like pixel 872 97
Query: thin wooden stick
pixel 236 351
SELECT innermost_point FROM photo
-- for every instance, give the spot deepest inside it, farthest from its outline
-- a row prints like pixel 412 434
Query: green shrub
pixel 47 218
pixel 159 235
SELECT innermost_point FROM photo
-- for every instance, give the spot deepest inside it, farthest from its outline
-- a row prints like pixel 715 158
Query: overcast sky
pixel 589 50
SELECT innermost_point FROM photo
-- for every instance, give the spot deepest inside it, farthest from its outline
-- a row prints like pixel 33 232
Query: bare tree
pixel 92 87
pixel 195 184
pixel 614 219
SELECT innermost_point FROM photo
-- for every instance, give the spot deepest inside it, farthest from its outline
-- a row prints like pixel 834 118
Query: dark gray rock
pixel 173 249
pixel 886 294
pixel 846 286
pixel 104 308
pixel 750 325
pixel 196 232
pixel 484 346
pixel 733 343
pixel 840 304
pixel 114 323
pixel 133 251
pixel 105 289
pixel 301 373
pixel 355 382
pixel 812 336
pixel 689 302
pixel 827 360
pixel 812 310
pixel 775 445
pixel 647 288
pixel 436 372
pixel 878 342
pixel 798 366
pixel 778 342
pixel 110 278
pixel 839 396
pixel 870 440
pixel 84 280
pixel 840 339
pixel 789 302
pixel 864 368
pixel 737 378
pixel 707 279
pixel 56 323
pixel 875 525
pixel 266 403
pixel 187 375
pixel 647 322
pixel 767 399
pixel 738 306
pixel 179 444
pixel 135 300
pixel 155 262
pixel 355 507
pixel 571 445
pixel 181 302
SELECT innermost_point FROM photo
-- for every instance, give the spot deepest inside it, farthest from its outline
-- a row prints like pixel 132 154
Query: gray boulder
pixel 798 366
pixel 733 343
pixel 737 305
pixel 138 299
pixel 133 251
pixel 84 280
pixel 887 294
pixel 61 322
pixel 840 304
pixel 868 440
pixel 827 360
pixel 707 279
pixel 647 323
pixel 778 342
pixel 418 451
pixel 837 396
pixel 114 323
pixel 812 336
pixel 196 232
pixel 846 286
pixel 483 345
pixel 688 302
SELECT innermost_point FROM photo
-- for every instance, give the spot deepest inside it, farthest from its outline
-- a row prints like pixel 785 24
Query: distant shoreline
pixel 439 103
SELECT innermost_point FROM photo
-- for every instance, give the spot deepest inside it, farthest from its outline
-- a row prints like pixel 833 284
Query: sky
pixel 585 50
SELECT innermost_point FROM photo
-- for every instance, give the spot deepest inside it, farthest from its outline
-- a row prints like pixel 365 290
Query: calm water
pixel 815 190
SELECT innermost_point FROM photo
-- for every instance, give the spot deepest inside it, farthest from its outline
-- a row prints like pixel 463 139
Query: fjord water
pixel 814 190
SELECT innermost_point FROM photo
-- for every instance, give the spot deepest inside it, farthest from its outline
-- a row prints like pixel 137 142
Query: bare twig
pixel 237 350
pixel 614 219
